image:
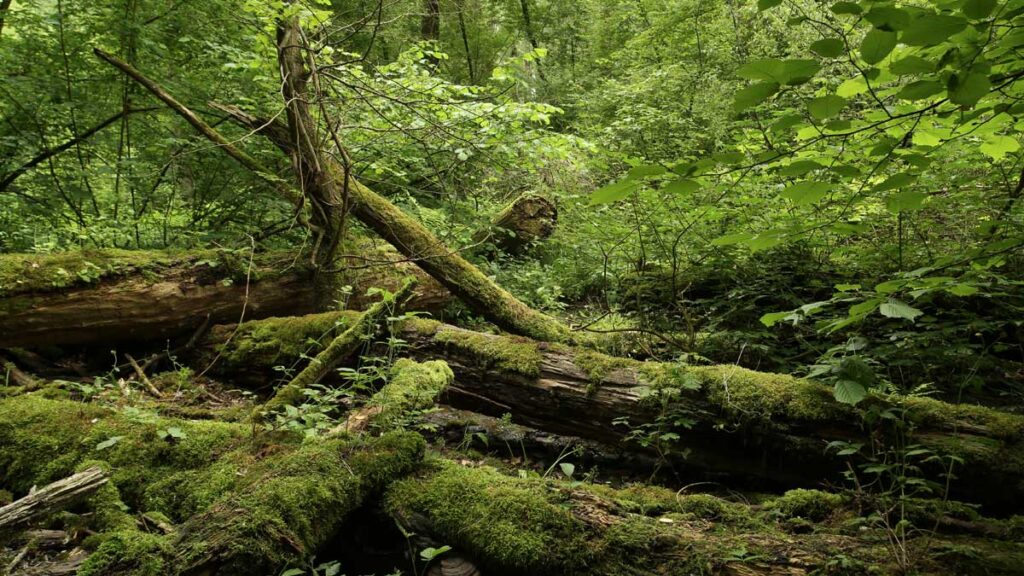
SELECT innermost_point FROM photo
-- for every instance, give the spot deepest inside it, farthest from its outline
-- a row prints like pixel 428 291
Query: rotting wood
pixel 340 347
pixel 51 498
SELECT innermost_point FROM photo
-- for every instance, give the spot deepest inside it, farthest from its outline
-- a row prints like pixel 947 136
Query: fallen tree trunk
pixel 112 296
pixel 712 422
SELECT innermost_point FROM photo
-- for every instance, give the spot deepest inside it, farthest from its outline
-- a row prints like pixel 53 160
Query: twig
pixel 142 376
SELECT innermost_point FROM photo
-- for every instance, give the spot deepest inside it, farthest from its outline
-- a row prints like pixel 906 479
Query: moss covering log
pixel 728 422
pixel 540 526
pixel 411 387
pixel 243 504
pixel 111 296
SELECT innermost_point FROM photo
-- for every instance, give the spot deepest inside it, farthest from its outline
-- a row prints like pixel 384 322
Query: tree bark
pixel 767 430
pixel 111 296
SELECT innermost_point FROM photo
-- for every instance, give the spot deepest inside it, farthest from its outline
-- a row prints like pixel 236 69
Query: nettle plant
pixel 896 135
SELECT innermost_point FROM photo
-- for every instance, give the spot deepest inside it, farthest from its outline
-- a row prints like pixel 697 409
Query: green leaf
pixel 567 468
pixel 753 95
pixel 876 45
pixel 772 318
pixel 681 186
pixel 109 442
pixel 806 192
pixel 826 106
pixel 782 72
pixel 888 18
pixel 766 4
pixel 828 47
pixel 978 9
pixel 998 146
pixel 799 168
pixel 968 90
pixel 962 290
pixel 613 192
pixel 911 65
pixel 926 138
pixel 920 90
pixel 896 181
pixel 730 239
pixel 897 309
pixel 931 29
pixel 294 572
pixel 906 201
pixel 846 8
pixel 645 170
pixel 852 87
pixel 848 392
pixel 428 554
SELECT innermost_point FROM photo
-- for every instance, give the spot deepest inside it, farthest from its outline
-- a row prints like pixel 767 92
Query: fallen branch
pixel 341 347
pixel 51 498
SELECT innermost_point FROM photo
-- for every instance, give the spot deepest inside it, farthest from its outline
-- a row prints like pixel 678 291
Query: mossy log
pixel 529 219
pixel 541 526
pixel 243 504
pixel 725 421
pixel 112 296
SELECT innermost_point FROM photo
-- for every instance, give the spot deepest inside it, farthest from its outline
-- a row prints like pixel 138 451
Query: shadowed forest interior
pixel 502 287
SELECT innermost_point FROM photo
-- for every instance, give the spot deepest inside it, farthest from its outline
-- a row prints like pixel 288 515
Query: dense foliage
pixel 829 188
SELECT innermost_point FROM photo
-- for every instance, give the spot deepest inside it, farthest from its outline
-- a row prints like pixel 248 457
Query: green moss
pixel 758 396
pixel 965 417
pixel 411 386
pixel 812 505
pixel 280 341
pixel 510 353
pixel 285 506
pixel 509 524
pixel 708 507
pixel 598 366
pixel 24 273
pixel 130 553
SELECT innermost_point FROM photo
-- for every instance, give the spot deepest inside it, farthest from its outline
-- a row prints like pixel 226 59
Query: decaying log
pixel 727 421
pixel 508 525
pixel 530 218
pixel 112 296
pixel 51 498
pixel 243 503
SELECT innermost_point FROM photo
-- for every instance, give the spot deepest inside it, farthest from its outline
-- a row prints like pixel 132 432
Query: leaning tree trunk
pixel 724 421
pixel 113 296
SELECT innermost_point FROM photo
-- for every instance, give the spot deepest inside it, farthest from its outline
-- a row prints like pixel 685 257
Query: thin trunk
pixel 5 5
pixel 461 7
pixel 524 5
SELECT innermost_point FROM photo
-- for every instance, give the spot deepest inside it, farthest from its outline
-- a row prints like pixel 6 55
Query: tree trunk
pixel 767 430
pixel 114 296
